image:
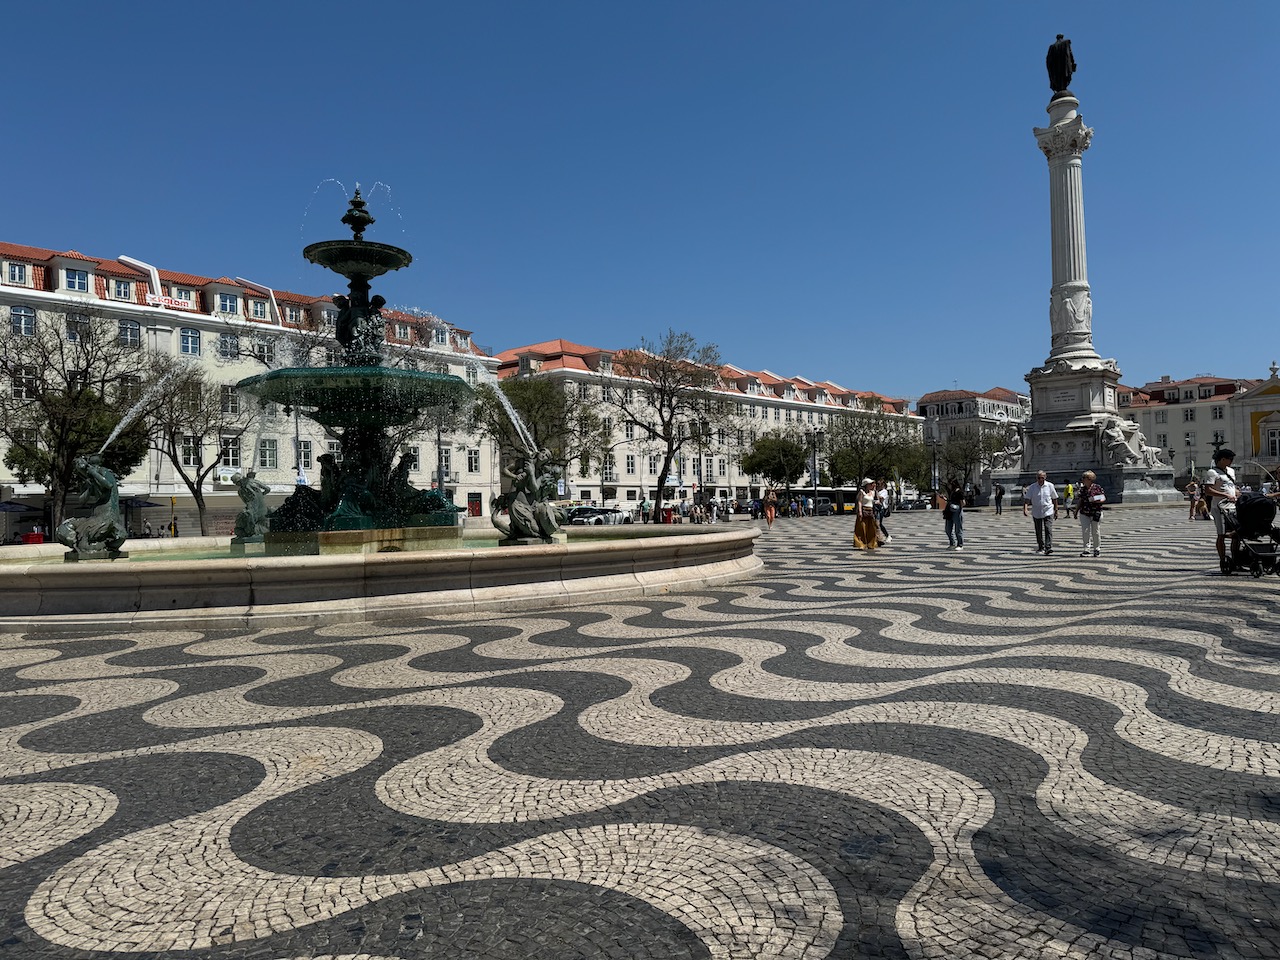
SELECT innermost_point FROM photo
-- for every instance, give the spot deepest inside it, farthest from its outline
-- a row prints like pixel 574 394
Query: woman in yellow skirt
pixel 864 526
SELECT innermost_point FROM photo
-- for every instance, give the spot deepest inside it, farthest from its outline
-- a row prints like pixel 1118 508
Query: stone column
pixel 1063 142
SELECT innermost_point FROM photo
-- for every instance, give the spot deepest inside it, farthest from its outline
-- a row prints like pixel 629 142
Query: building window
pixel 777 415
pixel 630 431
pixel 440 335
pixel 130 334
pixel 1219 437
pixel 189 341
pixel 1190 438
pixel 190 450
pixel 121 289
pixel 1162 440
pixel 268 455
pixel 228 303
pixel 335 450
pixel 1217 413
pixel 608 472
pixel 24 321
pixel 26 382
pixel 722 467
pixel 1189 415
pixel 228 346
pixel 185 295
pixel 584 392
pixel 77 280
pixel 606 393
pixel 473 375
pixel 402 331
pixel 653 465
pixel 446 461
pixel 293 314
pixel 473 460
pixel 27 437
pixel 18 273
pixel 77 327
pixel 411 456
pixel 631 464
pixel 1273 444
pixel 230 400
pixel 231 452
pixel 1162 416
pixel 304 454
pixel 129 389
pixel 265 351
pixel 332 356
pixel 258 309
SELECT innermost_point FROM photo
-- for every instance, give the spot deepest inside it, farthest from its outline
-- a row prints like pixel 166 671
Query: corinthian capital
pixel 1064 139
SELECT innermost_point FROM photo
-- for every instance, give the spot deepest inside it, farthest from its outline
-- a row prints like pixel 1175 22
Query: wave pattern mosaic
pixel 915 753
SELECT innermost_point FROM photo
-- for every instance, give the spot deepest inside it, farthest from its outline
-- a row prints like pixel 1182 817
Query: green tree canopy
pixel 778 457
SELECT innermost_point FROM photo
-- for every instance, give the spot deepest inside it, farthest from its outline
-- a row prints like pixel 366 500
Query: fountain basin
pixel 357 258
pixel 358 396
pixel 259 591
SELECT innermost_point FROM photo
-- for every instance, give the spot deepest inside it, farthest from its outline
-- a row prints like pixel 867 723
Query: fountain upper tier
pixel 357 258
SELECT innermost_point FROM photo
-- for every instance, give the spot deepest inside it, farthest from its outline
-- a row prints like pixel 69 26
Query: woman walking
pixel 770 506
pixel 1089 501
pixel 864 526
pixel 954 516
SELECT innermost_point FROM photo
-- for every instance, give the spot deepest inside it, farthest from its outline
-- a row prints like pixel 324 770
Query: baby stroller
pixel 1255 540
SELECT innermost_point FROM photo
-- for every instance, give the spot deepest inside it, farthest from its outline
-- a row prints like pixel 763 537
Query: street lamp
pixel 931 439
pixel 815 444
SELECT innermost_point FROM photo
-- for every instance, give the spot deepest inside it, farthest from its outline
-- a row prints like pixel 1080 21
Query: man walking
pixel 1042 499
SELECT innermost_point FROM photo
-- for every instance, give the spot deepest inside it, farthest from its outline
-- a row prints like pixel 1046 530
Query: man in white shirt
pixel 1042 499
pixel 1220 491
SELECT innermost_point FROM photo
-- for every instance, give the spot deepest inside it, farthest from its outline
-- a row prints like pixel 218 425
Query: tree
pixel 665 390
pixel 556 418
pixel 196 428
pixel 778 457
pixel 966 452
pixel 870 445
pixel 79 382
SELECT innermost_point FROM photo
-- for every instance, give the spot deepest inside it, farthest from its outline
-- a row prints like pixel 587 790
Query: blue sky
pixel 839 190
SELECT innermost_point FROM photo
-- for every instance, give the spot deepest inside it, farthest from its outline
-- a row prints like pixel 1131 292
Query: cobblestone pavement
pixel 914 753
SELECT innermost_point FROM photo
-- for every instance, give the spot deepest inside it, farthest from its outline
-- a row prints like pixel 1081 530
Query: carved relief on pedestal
pixel 1071 316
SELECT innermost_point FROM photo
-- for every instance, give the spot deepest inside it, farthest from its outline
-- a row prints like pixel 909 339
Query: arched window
pixel 24 321
pixel 190 341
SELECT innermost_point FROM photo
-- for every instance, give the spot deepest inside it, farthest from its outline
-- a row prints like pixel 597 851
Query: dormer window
pixel 258 309
pixel 402 331
pixel 525 367
pixel 121 289
pixel 185 294
pixel 440 336
pixel 606 365
pixel 228 303
pixel 18 273
pixel 293 314
pixel 77 280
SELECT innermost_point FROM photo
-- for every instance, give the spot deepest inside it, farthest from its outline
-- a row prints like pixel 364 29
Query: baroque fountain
pixel 367 544
pixel 365 502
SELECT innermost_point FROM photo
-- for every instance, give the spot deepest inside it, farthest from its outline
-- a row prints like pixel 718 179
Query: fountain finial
pixel 358 218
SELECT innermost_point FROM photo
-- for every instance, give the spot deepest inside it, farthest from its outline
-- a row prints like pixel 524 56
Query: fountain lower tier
pixel 358 396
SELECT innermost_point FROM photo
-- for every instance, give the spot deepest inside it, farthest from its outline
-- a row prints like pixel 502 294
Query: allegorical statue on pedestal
pixel 101 534
pixel 1061 64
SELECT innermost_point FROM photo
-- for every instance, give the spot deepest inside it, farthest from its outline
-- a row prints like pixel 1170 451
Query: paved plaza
pixel 915 753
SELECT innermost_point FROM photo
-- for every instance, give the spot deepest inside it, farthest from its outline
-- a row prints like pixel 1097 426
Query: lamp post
pixel 931 440
pixel 815 444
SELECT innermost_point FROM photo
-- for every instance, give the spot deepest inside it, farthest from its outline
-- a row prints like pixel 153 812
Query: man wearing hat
pixel 1220 491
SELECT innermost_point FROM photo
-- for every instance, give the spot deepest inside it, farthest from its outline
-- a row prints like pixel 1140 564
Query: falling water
pixel 133 412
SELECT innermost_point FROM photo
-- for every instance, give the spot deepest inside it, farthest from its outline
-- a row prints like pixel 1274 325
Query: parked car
pixel 823 507
pixel 597 516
